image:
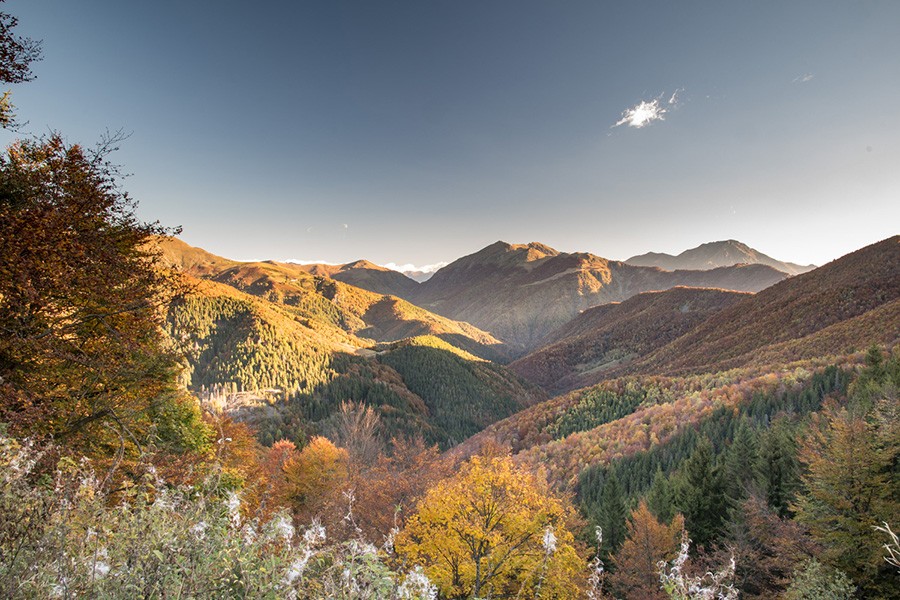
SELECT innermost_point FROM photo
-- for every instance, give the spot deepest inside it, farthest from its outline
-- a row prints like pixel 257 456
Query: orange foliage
pixel 648 542
pixel 315 478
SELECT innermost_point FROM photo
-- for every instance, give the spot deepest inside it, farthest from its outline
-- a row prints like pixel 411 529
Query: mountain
pixel 847 304
pixel 326 302
pixel 522 292
pixel 272 365
pixel 715 254
pixel 366 275
pixel 605 337
pixel 184 257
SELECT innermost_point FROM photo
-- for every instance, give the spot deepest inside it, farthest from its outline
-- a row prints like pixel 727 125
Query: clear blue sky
pixel 421 131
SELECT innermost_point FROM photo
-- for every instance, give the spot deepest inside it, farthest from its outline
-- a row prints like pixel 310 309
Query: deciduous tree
pixel 82 354
pixel 494 530
pixel 647 543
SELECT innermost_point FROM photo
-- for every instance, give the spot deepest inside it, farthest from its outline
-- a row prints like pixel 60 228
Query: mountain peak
pixel 363 264
pixel 711 255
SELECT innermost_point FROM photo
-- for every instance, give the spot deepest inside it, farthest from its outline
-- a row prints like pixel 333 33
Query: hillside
pixel 847 304
pixel 313 294
pixel 609 336
pixel 521 293
pixel 621 418
pixel 713 255
pixel 270 365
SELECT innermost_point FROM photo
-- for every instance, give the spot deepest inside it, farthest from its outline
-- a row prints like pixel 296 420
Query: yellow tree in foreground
pixel 494 530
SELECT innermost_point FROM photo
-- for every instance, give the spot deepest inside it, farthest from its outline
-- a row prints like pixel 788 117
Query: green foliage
pixel 816 581
pixel 778 467
pixel 462 396
pixel 698 494
pixel 637 471
pixel 612 515
pixel 660 499
pixel 739 469
pixel 599 406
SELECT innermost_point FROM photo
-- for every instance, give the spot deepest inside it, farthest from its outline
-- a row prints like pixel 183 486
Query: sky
pixel 417 132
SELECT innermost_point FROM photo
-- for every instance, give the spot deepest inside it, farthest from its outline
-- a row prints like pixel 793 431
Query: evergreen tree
pixel 779 470
pixel 739 468
pixel 699 496
pixel 659 498
pixel 612 514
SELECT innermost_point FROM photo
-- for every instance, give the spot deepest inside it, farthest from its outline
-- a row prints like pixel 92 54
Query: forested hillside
pixel 608 337
pixel 286 368
pixel 847 304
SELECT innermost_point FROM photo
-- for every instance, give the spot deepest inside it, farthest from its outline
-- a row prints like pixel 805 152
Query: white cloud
pixel 411 268
pixel 803 78
pixel 642 114
pixel 674 98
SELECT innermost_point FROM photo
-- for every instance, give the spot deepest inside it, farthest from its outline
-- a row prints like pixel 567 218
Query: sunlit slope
pixel 321 299
pixel 368 276
pixel 272 365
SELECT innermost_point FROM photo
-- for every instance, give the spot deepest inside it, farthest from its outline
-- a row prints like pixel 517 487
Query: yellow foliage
pixel 494 530
pixel 315 475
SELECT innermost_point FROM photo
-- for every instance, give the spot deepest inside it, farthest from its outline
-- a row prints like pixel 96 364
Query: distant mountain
pixel 713 255
pixel 847 304
pixel 582 352
pixel 521 293
pixel 366 275
pixel 418 275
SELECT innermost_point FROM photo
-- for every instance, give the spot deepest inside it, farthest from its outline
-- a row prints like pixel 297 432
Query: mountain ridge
pixel 522 292
pixel 711 255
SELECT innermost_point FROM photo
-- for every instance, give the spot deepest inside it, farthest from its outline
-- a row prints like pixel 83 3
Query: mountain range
pixel 522 292
pixel 282 345
pixel 713 255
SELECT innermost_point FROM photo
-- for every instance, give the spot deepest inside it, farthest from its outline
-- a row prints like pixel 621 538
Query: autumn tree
pixel 494 530
pixel 647 543
pixel 315 478
pixel 16 55
pixel 386 491
pixel 850 487
pixel 83 357
pixel 766 548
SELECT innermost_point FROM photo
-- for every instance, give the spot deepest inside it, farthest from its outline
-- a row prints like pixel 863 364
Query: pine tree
pixel 740 465
pixel 612 514
pixel 659 498
pixel 779 471
pixel 699 496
